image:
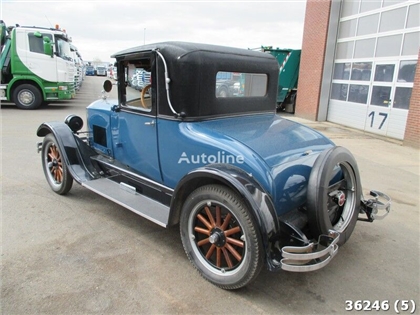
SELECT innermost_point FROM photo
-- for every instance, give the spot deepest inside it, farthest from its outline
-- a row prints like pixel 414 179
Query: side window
pixel 138 87
pixel 36 44
pixel 238 84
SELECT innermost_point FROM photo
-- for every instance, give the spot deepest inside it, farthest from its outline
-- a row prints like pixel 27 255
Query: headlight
pixel 74 122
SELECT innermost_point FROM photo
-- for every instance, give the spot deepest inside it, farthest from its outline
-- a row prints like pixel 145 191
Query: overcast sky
pixel 101 28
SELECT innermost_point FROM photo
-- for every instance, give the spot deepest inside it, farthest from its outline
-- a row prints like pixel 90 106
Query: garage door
pixel 372 96
pixel 375 60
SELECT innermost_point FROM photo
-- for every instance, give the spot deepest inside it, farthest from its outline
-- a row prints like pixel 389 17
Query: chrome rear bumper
pixel 311 257
pixel 377 207
pixel 317 255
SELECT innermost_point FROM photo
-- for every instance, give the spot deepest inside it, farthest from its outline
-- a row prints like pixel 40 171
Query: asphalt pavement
pixel 83 254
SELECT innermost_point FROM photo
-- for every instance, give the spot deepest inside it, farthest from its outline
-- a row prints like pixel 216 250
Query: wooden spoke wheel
pixel 55 169
pixel 220 237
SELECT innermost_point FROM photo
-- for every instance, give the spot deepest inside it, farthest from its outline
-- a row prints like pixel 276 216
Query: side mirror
pixel 107 86
pixel 2 33
pixel 48 46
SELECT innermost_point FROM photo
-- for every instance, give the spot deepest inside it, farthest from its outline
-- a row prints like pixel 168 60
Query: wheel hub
pixel 339 197
pixel 217 237
pixel 26 97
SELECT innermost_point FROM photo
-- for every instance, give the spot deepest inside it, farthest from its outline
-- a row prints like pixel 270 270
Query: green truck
pixel 36 65
pixel 289 60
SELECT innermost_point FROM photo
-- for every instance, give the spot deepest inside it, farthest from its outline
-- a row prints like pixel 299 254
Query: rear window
pixel 239 84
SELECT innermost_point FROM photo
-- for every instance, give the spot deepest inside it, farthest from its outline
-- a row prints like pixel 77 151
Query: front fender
pixel 258 201
pixel 75 152
pixel 17 80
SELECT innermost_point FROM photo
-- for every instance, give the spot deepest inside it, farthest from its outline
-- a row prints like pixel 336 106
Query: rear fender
pixel 258 201
pixel 75 152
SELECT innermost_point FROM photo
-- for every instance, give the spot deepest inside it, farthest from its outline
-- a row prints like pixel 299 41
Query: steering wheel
pixel 143 92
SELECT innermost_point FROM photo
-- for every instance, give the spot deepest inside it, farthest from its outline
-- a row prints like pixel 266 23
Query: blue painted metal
pixel 99 114
pixel 275 152
pixel 135 143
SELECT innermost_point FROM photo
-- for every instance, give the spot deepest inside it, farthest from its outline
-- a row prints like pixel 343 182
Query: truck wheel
pixel 223 92
pixel 334 192
pixel 220 237
pixel 27 96
pixel 55 168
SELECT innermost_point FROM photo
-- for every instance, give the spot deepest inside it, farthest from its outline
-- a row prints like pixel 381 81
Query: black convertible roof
pixel 193 68
pixel 178 49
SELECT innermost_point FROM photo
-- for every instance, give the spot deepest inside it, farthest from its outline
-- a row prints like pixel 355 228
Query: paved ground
pixel 82 254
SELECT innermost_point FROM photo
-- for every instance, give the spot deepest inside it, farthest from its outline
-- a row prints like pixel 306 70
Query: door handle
pixel 150 123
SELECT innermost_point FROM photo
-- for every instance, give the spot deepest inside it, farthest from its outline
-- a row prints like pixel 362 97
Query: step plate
pixel 142 205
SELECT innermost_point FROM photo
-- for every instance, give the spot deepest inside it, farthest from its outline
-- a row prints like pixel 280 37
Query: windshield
pixel 63 48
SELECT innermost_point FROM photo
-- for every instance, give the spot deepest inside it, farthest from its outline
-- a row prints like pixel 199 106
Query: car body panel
pixel 185 146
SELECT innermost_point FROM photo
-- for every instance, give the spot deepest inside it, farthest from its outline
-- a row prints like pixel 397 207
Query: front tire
pixel 220 237
pixel 27 96
pixel 334 192
pixel 55 168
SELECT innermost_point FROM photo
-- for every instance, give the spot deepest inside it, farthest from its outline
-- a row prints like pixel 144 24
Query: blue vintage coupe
pixel 247 187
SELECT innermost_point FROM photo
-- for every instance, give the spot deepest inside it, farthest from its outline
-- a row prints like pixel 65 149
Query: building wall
pixel 412 131
pixel 312 58
pixel 315 77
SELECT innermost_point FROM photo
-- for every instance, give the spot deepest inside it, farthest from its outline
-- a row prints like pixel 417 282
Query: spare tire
pixel 334 191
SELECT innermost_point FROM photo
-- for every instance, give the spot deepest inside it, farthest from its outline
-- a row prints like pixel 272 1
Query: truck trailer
pixel 289 61
pixel 36 65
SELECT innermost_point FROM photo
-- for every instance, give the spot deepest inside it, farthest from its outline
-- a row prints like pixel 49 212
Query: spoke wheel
pixel 55 168
pixel 220 238
pixel 334 192
pixel 217 235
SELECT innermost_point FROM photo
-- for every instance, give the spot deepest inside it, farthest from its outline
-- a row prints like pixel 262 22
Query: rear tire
pixel 55 168
pixel 220 237
pixel 334 192
pixel 27 96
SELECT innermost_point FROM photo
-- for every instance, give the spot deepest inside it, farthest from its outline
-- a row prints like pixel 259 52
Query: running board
pixel 127 196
